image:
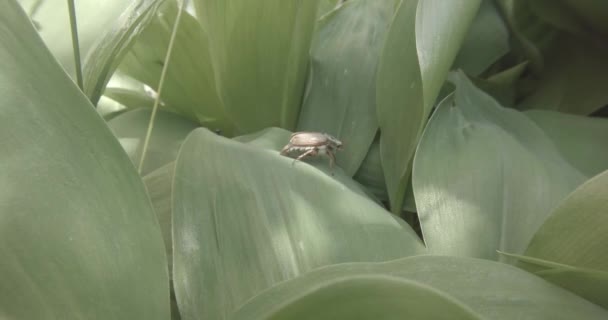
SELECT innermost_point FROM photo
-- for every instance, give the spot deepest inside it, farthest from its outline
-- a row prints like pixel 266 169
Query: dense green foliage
pixel 473 184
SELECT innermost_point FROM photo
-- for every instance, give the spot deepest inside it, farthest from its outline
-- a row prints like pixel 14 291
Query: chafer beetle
pixel 313 144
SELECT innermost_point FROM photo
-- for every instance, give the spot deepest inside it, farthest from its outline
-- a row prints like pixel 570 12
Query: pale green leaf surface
pixel 367 296
pixel 78 236
pixel 246 218
pixel 370 173
pixel 573 80
pixel 421 45
pixel 189 88
pixel 167 135
pixel 575 234
pixel 488 289
pixel 132 99
pixel 399 101
pixel 581 140
pixel 590 284
pixel 326 6
pixel 159 184
pixel 341 95
pixel 503 86
pixel 486 41
pixel 260 52
pixel 485 177
pixel 105 30
pixel 441 27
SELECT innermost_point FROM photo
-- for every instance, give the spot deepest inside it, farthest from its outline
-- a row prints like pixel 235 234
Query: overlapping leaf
pixel 423 41
pixel 105 31
pixel 189 88
pixel 168 133
pixel 423 287
pixel 487 40
pixel 581 140
pixel 570 247
pixel 341 97
pixel 78 236
pixel 485 177
pixel 246 218
pixel 259 50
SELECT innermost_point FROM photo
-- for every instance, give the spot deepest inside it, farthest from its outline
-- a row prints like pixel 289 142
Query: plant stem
pixel 160 86
pixel 75 44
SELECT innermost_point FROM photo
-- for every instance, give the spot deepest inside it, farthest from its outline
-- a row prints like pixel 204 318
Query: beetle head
pixel 335 142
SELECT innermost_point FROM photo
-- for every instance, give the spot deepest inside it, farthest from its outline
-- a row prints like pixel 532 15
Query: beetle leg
pixel 311 152
pixel 332 159
pixel 285 150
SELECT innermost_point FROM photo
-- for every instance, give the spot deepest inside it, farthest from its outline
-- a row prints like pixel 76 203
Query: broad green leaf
pixel 399 101
pixel 189 88
pixel 341 96
pixel 485 177
pixel 105 31
pixel 421 45
pixel 370 173
pixel 571 244
pixel 129 92
pixel 259 51
pixel 78 236
pixel 159 184
pixel 374 296
pixel 168 133
pixel 573 78
pixel 503 86
pixel 575 234
pixel 589 284
pixel 325 6
pixel 487 41
pixel 441 287
pixel 246 218
pixel 581 140
pixel 441 28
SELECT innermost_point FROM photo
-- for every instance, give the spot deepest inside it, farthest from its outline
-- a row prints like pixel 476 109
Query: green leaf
pixel 246 218
pixel 128 92
pixel 159 184
pixel 168 133
pixel 78 236
pixel 487 41
pixel 421 45
pixel 589 284
pixel 503 86
pixel 370 173
pixel 105 31
pixel 259 51
pixel 189 88
pixel 399 101
pixel 421 287
pixel 485 177
pixel 575 234
pixel 573 78
pixel 341 96
pixel 581 140
pixel 326 6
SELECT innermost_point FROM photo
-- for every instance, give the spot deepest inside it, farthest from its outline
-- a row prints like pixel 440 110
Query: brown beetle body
pixel 313 144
